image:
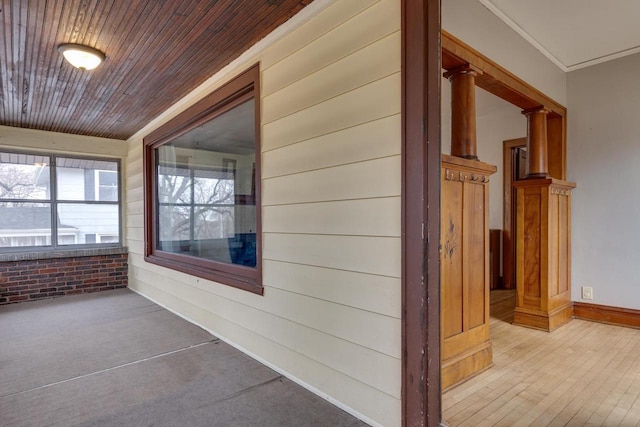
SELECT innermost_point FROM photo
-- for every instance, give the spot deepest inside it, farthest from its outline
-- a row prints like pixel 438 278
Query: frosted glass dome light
pixel 82 57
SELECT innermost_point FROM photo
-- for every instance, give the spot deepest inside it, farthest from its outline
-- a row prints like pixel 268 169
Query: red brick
pixel 30 280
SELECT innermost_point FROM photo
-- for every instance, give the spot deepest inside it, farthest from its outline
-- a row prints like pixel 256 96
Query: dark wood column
pixel 464 262
pixel 463 111
pixel 543 235
pixel 537 151
pixel 421 79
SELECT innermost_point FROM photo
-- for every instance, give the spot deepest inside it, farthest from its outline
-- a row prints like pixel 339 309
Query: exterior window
pixel 49 201
pixel 202 188
pixel 106 185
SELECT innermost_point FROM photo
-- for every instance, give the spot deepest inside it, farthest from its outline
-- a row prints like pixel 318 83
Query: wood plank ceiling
pixel 157 52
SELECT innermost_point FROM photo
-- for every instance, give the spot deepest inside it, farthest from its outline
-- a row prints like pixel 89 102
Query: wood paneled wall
pixel 465 344
pixel 543 258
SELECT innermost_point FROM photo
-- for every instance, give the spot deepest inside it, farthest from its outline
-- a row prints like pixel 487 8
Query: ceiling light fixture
pixel 83 57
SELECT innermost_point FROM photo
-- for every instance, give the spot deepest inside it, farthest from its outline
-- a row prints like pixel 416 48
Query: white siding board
pixel 365 217
pixel 375 178
pixel 141 267
pixel 134 194
pixel 18 138
pixel 378 294
pixel 135 233
pixel 371 140
pixel 371 102
pixel 136 220
pixel 372 24
pixel 359 327
pixel 134 180
pixel 134 161
pixel 317 26
pixel 135 247
pixel 135 207
pixel 375 255
pixel 365 66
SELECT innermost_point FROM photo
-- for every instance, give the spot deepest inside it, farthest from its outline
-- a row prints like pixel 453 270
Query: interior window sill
pixel 61 253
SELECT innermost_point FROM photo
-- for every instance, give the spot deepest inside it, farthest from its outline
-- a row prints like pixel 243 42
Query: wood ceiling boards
pixel 157 52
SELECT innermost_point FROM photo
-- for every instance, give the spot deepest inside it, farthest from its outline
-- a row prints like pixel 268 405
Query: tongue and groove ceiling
pixel 157 52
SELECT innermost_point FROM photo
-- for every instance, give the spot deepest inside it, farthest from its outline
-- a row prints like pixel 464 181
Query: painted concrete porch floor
pixel 116 359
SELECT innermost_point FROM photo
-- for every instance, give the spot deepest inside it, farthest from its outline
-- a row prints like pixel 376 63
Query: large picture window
pixel 51 202
pixel 202 189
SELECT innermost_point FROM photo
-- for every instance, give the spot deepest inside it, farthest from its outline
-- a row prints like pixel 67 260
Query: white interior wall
pixel 331 172
pixel 603 159
pixel 474 24
pixel 602 148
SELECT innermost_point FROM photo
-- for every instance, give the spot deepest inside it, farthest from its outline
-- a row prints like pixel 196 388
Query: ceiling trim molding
pixel 566 68
pixel 604 58
pixel 525 35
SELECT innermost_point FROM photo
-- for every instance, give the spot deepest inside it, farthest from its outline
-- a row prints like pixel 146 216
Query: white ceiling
pixel 574 33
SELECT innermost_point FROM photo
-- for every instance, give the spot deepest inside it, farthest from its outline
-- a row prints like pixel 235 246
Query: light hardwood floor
pixel 583 373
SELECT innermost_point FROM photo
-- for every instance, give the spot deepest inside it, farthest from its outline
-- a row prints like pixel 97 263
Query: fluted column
pixel 537 150
pixel 463 111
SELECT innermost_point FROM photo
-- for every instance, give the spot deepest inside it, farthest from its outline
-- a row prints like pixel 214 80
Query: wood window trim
pixel 233 93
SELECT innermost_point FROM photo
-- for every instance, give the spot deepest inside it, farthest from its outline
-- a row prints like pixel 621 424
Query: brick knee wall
pixel 29 280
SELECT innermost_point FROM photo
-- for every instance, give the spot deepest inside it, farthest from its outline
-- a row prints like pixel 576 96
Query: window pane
pixel 25 224
pixel 206 189
pixel 213 187
pixel 213 223
pixel 88 180
pixel 78 223
pixel 107 186
pixel 107 238
pixel 174 184
pixel 24 176
pixel 174 225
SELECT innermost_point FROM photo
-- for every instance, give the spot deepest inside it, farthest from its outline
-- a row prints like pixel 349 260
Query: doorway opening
pixel 510 211
pixel 514 159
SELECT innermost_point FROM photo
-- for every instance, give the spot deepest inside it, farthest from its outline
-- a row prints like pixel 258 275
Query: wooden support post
pixel 463 111
pixel 537 151
pixel 464 262
pixel 464 269
pixel 543 254
pixel 543 236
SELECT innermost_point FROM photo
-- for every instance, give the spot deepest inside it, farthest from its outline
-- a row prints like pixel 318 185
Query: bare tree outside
pixel 23 182
pixel 195 204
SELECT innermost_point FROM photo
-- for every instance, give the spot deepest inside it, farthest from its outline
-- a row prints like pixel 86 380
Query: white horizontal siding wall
pixel 330 314
pixel 56 142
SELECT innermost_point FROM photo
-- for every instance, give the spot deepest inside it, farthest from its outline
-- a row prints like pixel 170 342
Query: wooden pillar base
pixel 465 347
pixel 543 255
pixel 466 365
pixel 543 320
